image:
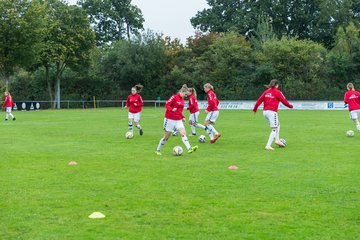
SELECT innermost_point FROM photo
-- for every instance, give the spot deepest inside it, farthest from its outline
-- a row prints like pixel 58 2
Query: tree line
pixel 51 50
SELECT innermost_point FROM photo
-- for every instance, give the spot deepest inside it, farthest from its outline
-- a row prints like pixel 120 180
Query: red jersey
pixel 176 101
pixel 271 98
pixel 8 102
pixel 352 98
pixel 193 104
pixel 135 103
pixel 213 102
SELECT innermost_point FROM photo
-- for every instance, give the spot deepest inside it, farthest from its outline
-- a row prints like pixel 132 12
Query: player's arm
pixel 282 99
pixel 127 104
pixel 258 102
pixel 190 104
pixel 6 101
pixel 140 103
pixel 211 102
pixel 169 104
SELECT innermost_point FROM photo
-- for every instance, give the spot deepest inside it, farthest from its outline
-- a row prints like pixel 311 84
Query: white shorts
pixel 135 116
pixel 272 118
pixel 8 109
pixel 354 114
pixel 194 117
pixel 212 116
pixel 170 125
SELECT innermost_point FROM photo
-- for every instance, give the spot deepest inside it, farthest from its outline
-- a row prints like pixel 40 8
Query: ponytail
pixel 193 91
pixel 7 93
pixel 272 83
pixel 138 87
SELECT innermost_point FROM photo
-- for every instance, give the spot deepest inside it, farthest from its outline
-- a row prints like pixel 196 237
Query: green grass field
pixel 308 190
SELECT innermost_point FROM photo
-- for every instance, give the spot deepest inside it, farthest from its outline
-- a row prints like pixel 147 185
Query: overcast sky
pixel 170 17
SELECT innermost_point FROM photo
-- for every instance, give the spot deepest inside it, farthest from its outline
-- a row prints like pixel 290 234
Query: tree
pixel 225 60
pixel 298 64
pixel 113 20
pixel 263 32
pixel 67 43
pixel 141 60
pixel 228 65
pixel 21 26
pixel 315 20
pixel 343 60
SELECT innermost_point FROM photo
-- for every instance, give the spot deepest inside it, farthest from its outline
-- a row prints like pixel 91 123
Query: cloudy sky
pixel 170 17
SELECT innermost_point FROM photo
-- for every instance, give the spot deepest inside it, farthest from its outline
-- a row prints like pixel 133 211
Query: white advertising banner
pixel 298 105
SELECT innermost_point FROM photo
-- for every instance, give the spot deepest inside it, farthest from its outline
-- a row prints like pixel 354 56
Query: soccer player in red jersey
pixel 271 98
pixel 212 111
pixel 174 119
pixel 8 104
pixel 134 102
pixel 194 112
pixel 352 99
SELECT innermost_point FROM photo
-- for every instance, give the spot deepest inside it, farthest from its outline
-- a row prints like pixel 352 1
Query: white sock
pixel 161 144
pixel 130 126
pixel 278 133
pixel 7 116
pixel 357 124
pixel 192 129
pixel 198 125
pixel 11 115
pixel 210 132
pixel 186 141
pixel 138 126
pixel 271 138
pixel 213 129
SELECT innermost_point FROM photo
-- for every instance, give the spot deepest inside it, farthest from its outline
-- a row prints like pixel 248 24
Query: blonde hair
pixel 350 86
pixel 184 89
pixel 272 83
pixel 208 85
pixel 7 93
pixel 193 91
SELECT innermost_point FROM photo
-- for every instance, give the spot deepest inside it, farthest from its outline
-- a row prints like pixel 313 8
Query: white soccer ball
pixel 129 135
pixel 177 150
pixel 202 139
pixel 283 141
pixel 350 133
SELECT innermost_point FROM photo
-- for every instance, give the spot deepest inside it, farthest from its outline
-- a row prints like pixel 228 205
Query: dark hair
pixel 138 87
pixel 272 83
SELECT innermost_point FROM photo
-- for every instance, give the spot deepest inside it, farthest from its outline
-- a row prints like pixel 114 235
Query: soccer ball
pixel 129 135
pixel 283 141
pixel 202 139
pixel 177 150
pixel 350 133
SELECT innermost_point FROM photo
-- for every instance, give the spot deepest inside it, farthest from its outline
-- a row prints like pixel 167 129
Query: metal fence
pixel 235 105
pixel 70 104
